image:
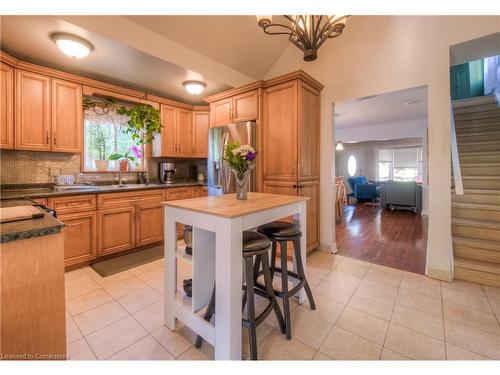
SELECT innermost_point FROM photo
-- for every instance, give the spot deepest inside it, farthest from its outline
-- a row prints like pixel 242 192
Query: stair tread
pixel 481 191
pixel 478 153
pixel 475 134
pixel 492 164
pixel 478 265
pixel 478 206
pixel 478 143
pixel 471 102
pixel 476 223
pixel 480 177
pixel 477 243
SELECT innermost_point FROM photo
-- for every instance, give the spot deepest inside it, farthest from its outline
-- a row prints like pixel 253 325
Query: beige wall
pixel 381 54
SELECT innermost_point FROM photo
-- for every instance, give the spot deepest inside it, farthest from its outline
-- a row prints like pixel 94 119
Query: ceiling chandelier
pixel 307 33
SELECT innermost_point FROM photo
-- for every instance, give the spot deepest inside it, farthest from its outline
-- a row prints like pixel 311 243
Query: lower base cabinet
pixel 116 230
pixel 80 237
pixel 149 228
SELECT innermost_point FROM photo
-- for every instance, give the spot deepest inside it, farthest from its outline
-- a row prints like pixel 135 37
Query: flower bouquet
pixel 241 161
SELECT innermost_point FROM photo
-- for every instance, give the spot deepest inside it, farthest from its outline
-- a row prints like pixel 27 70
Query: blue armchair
pixel 363 190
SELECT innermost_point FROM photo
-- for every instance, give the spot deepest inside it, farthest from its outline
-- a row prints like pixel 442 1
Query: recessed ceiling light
pixel 410 102
pixel 194 87
pixel 72 45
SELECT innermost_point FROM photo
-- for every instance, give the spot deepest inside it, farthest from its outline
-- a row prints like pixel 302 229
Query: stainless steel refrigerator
pixel 220 179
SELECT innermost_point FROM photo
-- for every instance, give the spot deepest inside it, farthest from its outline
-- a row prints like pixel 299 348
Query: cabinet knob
pixel 47 137
pixel 55 138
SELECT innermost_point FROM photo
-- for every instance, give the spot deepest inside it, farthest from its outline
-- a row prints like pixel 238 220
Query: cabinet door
pixel 80 237
pixel 311 189
pixel 245 106
pixel 149 227
pixel 6 106
pixel 32 111
pixel 116 230
pixel 308 132
pixel 168 120
pixel 66 116
pixel 279 153
pixel 184 133
pixel 201 122
pixel 220 112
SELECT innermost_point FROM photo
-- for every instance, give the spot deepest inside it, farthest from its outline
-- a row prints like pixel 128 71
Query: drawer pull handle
pixel 74 203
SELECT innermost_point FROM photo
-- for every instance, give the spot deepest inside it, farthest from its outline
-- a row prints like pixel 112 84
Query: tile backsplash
pixel 33 167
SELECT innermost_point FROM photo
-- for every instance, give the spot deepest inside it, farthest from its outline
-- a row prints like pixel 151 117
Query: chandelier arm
pixel 297 30
pixel 316 29
pixel 325 28
pixel 278 25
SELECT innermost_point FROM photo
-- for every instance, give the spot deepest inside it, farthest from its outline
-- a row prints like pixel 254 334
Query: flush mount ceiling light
pixel 339 146
pixel 72 45
pixel 194 87
pixel 307 33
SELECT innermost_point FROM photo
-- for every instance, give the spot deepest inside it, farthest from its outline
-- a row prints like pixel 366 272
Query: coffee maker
pixel 167 173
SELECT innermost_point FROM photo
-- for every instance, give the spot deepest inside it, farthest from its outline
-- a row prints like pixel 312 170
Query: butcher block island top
pixel 228 206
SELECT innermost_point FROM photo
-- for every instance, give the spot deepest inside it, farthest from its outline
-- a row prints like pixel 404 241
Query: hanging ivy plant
pixel 144 120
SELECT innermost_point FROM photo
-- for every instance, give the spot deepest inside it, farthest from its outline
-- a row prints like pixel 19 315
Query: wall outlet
pixel 54 171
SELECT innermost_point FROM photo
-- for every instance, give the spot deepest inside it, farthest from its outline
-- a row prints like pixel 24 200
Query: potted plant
pixel 98 140
pixel 126 157
pixel 241 161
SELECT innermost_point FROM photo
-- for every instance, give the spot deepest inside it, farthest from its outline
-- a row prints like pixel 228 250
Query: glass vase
pixel 241 184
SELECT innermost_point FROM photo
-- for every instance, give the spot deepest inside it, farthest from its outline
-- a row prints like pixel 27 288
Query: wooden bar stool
pixel 258 245
pixel 282 232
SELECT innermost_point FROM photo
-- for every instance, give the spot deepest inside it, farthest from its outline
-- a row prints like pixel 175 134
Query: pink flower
pixel 135 150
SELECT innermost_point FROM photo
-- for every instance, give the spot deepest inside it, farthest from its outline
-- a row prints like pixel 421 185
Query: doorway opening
pixel 381 179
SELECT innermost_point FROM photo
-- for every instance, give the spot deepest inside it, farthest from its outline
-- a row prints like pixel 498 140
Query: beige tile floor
pixel 364 311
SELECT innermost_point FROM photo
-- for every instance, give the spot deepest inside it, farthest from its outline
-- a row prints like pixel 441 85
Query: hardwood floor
pixel 391 238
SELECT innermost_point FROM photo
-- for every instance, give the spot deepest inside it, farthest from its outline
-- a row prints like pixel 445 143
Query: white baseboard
pixel 439 274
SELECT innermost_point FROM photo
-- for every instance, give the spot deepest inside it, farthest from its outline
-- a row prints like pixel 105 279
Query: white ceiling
pixel 235 41
pixel 28 38
pixel 383 108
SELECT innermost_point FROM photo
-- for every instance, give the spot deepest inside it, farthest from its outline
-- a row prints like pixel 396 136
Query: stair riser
pixel 492 114
pixel 479 147
pixel 477 128
pixel 477 276
pixel 481 184
pixel 480 171
pixel 475 232
pixel 479 137
pixel 476 214
pixel 493 199
pixel 474 253
pixel 480 108
pixel 492 158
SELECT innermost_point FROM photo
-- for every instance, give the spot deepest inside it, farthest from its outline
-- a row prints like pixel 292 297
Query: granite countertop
pixel 24 229
pixel 44 192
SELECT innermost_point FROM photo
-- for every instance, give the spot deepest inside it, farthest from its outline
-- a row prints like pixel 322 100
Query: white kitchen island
pixel 218 223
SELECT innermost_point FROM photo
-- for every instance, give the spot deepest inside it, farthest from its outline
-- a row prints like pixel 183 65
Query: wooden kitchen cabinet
pixel 149 228
pixel 176 138
pixel 279 151
pixel 48 113
pixel 32 111
pixel 184 136
pixel 201 124
pixel 6 106
pixel 238 108
pixel 290 143
pixel 246 106
pixel 70 204
pixel 116 230
pixel 67 118
pixel 220 112
pixel 80 237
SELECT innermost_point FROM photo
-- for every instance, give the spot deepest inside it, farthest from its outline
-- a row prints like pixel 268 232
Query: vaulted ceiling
pixel 151 53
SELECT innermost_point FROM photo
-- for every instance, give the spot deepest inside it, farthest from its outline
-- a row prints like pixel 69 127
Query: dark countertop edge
pixel 53 226
pixel 19 194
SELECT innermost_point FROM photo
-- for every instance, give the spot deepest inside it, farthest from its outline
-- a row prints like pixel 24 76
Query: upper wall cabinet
pixel 32 115
pixel 238 108
pixel 67 116
pixel 201 122
pixel 6 106
pixel 48 113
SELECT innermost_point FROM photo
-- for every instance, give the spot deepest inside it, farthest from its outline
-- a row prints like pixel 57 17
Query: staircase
pixel 475 215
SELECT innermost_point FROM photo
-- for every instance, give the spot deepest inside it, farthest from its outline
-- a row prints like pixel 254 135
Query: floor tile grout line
pixel 491 306
pixel 390 318
pixel 444 321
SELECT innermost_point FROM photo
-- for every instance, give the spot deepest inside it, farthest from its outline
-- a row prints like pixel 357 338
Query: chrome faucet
pixel 120 178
